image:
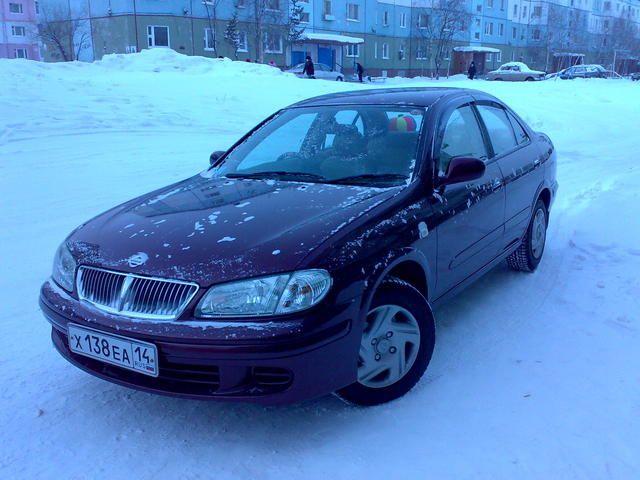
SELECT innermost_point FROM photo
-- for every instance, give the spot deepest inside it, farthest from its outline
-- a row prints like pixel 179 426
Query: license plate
pixel 141 357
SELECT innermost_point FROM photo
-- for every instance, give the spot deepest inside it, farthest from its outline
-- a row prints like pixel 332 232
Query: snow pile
pixel 534 376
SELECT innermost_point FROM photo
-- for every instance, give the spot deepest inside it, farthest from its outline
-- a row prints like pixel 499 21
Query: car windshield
pixel 360 145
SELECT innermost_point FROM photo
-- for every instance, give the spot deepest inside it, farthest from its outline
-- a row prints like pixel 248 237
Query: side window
pixel 499 127
pixel 462 138
pixel 521 134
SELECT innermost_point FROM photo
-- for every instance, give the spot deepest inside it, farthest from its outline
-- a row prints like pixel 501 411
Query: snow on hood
pixel 216 230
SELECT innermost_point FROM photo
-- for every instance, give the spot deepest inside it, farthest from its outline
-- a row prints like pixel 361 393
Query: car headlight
pixel 64 268
pixel 264 296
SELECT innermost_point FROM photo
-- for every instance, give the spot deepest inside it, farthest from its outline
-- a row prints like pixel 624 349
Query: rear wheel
pixel 528 255
pixel 396 347
pixel 339 79
pixel 529 79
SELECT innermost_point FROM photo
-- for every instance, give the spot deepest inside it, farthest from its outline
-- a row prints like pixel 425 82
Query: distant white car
pixel 515 72
pixel 325 72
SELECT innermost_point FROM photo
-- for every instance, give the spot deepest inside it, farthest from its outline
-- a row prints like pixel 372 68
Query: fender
pixel 381 269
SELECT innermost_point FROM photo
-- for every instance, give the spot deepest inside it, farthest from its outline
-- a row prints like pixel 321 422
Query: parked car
pixel 322 71
pixel 635 76
pixel 586 71
pixel 515 72
pixel 308 258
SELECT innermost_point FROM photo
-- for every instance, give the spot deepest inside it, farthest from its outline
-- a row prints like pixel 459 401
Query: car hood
pixel 217 230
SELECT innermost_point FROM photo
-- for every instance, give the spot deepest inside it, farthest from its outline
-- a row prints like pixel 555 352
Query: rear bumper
pixel 291 367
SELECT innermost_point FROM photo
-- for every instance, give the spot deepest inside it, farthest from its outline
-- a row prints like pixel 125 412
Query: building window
pixel 501 29
pixel 241 3
pixel 18 31
pixel 421 53
pixel 536 34
pixel 403 20
pixel 38 7
pixel 304 17
pixel 157 36
pixel 476 35
pixel 385 51
pixel 499 56
pixel 515 10
pixel 328 7
pixel 209 42
pixel 15 8
pixel 423 20
pixel 353 12
pixel 375 50
pixel 488 28
pixel 385 18
pixel 502 5
pixel 524 11
pixel 353 50
pixel 489 3
pixel 272 42
pixel 478 8
pixel 607 6
pixel 514 32
pixel 272 4
pixel 537 11
pixel 20 53
pixel 401 52
pixel 243 44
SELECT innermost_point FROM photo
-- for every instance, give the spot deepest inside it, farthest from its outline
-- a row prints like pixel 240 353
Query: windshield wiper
pixel 371 178
pixel 281 175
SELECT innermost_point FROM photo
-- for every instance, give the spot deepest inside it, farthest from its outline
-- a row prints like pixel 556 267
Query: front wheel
pixel 396 347
pixel 528 255
pixel 339 79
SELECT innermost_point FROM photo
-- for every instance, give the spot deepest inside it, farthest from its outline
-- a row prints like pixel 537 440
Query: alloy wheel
pixel 389 346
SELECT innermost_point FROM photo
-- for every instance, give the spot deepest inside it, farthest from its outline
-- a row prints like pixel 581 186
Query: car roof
pixel 422 97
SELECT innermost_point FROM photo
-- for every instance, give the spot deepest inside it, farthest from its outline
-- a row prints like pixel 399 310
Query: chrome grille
pixel 133 295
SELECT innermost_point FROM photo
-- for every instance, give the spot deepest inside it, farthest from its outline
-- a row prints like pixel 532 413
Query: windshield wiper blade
pixel 278 174
pixel 371 177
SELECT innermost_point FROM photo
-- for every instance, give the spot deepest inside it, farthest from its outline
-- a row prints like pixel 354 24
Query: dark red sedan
pixel 307 259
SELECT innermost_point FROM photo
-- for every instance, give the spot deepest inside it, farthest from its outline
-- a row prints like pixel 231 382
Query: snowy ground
pixel 534 376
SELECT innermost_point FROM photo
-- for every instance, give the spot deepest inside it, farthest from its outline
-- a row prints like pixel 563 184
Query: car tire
pixel 339 79
pixel 397 343
pixel 498 80
pixel 529 79
pixel 528 255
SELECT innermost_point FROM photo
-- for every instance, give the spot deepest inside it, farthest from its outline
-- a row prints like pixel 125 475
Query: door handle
pixel 497 183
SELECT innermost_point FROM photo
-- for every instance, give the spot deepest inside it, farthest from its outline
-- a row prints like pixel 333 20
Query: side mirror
pixel 213 158
pixel 463 169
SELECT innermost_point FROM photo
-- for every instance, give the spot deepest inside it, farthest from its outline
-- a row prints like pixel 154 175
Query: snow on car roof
pixel 523 66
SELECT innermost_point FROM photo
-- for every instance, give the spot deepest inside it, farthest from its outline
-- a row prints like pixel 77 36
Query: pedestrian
pixel 360 71
pixel 309 69
pixel 472 70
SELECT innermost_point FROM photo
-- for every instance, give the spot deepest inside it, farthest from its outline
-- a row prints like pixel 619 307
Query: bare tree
pixel 58 30
pixel 211 6
pixel 266 17
pixel 624 42
pixel 565 33
pixel 439 26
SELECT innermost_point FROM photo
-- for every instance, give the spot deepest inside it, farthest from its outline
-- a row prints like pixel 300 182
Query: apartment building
pixel 18 27
pixel 388 37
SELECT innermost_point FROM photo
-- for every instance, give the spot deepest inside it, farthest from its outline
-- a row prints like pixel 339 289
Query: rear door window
pixel 501 133
pixel 521 134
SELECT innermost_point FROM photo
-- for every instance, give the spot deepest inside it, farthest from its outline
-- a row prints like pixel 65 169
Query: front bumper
pixel 282 362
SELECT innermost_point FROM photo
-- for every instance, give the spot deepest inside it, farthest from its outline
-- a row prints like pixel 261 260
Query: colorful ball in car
pixel 402 123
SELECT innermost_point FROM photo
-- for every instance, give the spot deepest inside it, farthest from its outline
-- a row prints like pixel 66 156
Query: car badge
pixel 137 259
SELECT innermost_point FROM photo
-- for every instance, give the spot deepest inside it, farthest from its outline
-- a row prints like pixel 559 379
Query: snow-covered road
pixel 534 376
